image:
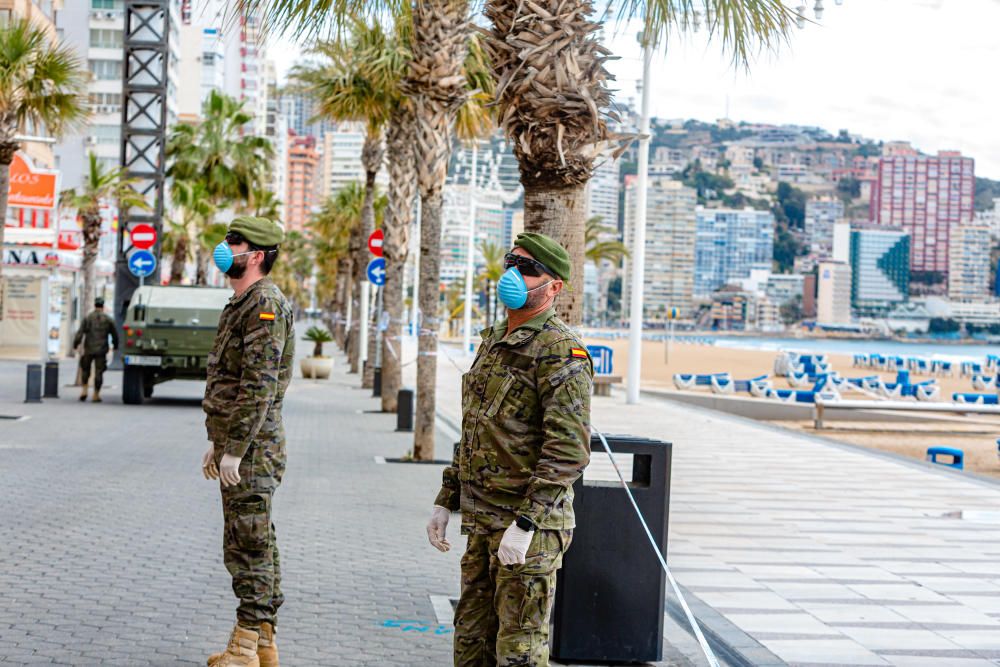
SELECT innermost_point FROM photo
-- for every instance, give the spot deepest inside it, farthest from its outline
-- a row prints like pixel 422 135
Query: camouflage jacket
pixel 94 332
pixel 249 368
pixel 525 428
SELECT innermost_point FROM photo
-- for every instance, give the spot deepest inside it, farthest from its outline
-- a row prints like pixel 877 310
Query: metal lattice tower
pixel 145 71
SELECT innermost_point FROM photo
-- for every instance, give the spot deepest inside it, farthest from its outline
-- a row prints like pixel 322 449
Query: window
pixel 105 39
pixel 106 70
pixel 106 4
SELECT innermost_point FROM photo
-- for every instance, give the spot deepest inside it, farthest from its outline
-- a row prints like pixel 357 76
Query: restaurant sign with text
pixel 31 187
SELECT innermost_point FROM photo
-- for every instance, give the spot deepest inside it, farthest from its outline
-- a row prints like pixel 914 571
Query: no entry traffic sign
pixel 375 242
pixel 143 236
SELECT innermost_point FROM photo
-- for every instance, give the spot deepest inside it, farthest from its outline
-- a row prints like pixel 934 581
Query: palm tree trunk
pixel 201 272
pixel 91 239
pixel 430 325
pixel 552 100
pixel 395 247
pixel 371 159
pixel 178 260
pixel 6 157
pixel 436 86
pixel 340 303
pixel 354 294
pixel 560 213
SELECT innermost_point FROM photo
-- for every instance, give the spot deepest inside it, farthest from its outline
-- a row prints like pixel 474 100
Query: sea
pixel 947 352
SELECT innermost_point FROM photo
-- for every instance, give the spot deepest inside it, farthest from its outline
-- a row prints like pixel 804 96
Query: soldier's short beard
pixel 535 299
pixel 237 270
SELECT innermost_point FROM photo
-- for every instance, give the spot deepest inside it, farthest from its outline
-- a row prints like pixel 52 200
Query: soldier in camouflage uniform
pixel 248 371
pixel 93 333
pixel 525 441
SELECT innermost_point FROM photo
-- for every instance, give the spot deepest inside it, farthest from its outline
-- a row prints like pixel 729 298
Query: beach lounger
pixel 976 399
pixel 971 368
pixel 939 367
pixel 984 382
pixel 860 360
pixel 927 392
pixel 688 380
pixel 760 387
pixel 890 389
pixel 798 380
pixel 722 385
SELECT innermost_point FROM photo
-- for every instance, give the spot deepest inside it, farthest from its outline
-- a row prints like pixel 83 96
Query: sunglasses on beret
pixel 526 265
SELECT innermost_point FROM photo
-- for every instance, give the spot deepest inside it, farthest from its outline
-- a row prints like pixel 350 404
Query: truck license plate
pixel 132 360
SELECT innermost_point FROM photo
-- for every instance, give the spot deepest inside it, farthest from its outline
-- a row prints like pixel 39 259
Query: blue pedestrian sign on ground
pixel 141 263
pixel 376 271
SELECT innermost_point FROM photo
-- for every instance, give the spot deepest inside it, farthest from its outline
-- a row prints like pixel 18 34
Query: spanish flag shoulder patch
pixel 578 353
pixel 269 317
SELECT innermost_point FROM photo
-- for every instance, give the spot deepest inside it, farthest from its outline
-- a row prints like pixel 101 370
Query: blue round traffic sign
pixel 376 271
pixel 141 263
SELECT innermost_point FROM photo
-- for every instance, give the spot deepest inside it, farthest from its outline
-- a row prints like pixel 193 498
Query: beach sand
pixel 976 436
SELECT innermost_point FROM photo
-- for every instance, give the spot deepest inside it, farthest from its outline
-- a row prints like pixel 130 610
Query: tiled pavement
pixel 110 539
pixel 821 553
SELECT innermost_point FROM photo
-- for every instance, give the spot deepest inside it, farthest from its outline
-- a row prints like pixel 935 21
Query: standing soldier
pixel 525 441
pixel 93 333
pixel 248 371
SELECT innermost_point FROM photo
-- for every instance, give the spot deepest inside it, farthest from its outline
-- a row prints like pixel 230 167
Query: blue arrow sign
pixel 376 271
pixel 141 263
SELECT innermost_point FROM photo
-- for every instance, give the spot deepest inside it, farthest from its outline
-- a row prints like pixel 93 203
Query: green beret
pixel 258 231
pixel 546 251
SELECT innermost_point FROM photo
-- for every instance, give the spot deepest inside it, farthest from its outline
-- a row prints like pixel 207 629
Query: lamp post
pixel 469 251
pixel 639 235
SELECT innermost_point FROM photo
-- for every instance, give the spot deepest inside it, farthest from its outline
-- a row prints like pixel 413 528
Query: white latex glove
pixel 514 545
pixel 208 467
pixel 229 470
pixel 437 527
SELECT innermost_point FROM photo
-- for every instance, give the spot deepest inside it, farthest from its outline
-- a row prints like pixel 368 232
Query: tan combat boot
pixel 267 648
pixel 97 396
pixel 241 651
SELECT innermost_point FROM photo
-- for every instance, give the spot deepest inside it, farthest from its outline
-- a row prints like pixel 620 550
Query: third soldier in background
pixel 525 441
pixel 94 331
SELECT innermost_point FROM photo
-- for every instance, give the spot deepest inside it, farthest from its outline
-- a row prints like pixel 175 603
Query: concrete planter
pixel 316 367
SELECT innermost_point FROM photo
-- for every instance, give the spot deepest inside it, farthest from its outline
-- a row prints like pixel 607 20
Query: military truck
pixel 168 333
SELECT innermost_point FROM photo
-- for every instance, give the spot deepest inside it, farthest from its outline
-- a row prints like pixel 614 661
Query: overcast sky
pixel 923 71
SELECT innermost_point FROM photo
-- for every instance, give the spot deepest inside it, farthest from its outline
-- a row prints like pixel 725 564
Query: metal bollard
pixel 33 389
pixel 51 379
pixel 404 410
pixel 377 383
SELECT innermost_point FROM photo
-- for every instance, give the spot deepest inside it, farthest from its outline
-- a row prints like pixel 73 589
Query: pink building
pixel 927 197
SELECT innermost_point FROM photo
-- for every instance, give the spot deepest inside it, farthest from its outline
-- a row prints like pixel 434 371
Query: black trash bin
pixel 610 591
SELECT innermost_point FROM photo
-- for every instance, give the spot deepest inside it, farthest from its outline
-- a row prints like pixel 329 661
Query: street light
pixel 818 10
pixel 800 16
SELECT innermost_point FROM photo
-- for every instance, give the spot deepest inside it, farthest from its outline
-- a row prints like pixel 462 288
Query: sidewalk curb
pixel 731 644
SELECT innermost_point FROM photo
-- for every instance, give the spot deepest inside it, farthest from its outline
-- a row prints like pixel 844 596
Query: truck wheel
pixel 132 389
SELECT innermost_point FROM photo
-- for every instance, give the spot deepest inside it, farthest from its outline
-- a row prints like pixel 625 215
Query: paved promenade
pixel 811 553
pixel 110 540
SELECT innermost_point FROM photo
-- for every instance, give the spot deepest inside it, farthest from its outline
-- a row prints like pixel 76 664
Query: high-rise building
pixel 94 30
pixel 602 191
pixel 729 244
pixel 342 158
pixel 880 269
pixel 969 265
pixel 204 44
pixel 303 165
pixel 821 215
pixel 246 71
pixel 833 299
pixel 927 197
pixel 668 280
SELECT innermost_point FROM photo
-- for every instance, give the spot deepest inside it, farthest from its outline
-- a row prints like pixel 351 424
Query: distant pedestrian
pixel 249 368
pixel 94 331
pixel 525 441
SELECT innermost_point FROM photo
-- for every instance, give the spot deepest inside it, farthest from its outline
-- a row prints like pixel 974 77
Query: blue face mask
pixel 223 256
pixel 512 290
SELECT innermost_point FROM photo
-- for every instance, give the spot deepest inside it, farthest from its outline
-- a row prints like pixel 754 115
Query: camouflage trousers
pixel 249 545
pixel 502 618
pixel 100 362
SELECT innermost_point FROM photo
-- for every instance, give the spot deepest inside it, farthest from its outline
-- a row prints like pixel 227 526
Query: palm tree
pixel 41 88
pixel 99 186
pixel 493 257
pixel 552 95
pixel 231 166
pixel 194 211
pixel 347 87
pixel 602 245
